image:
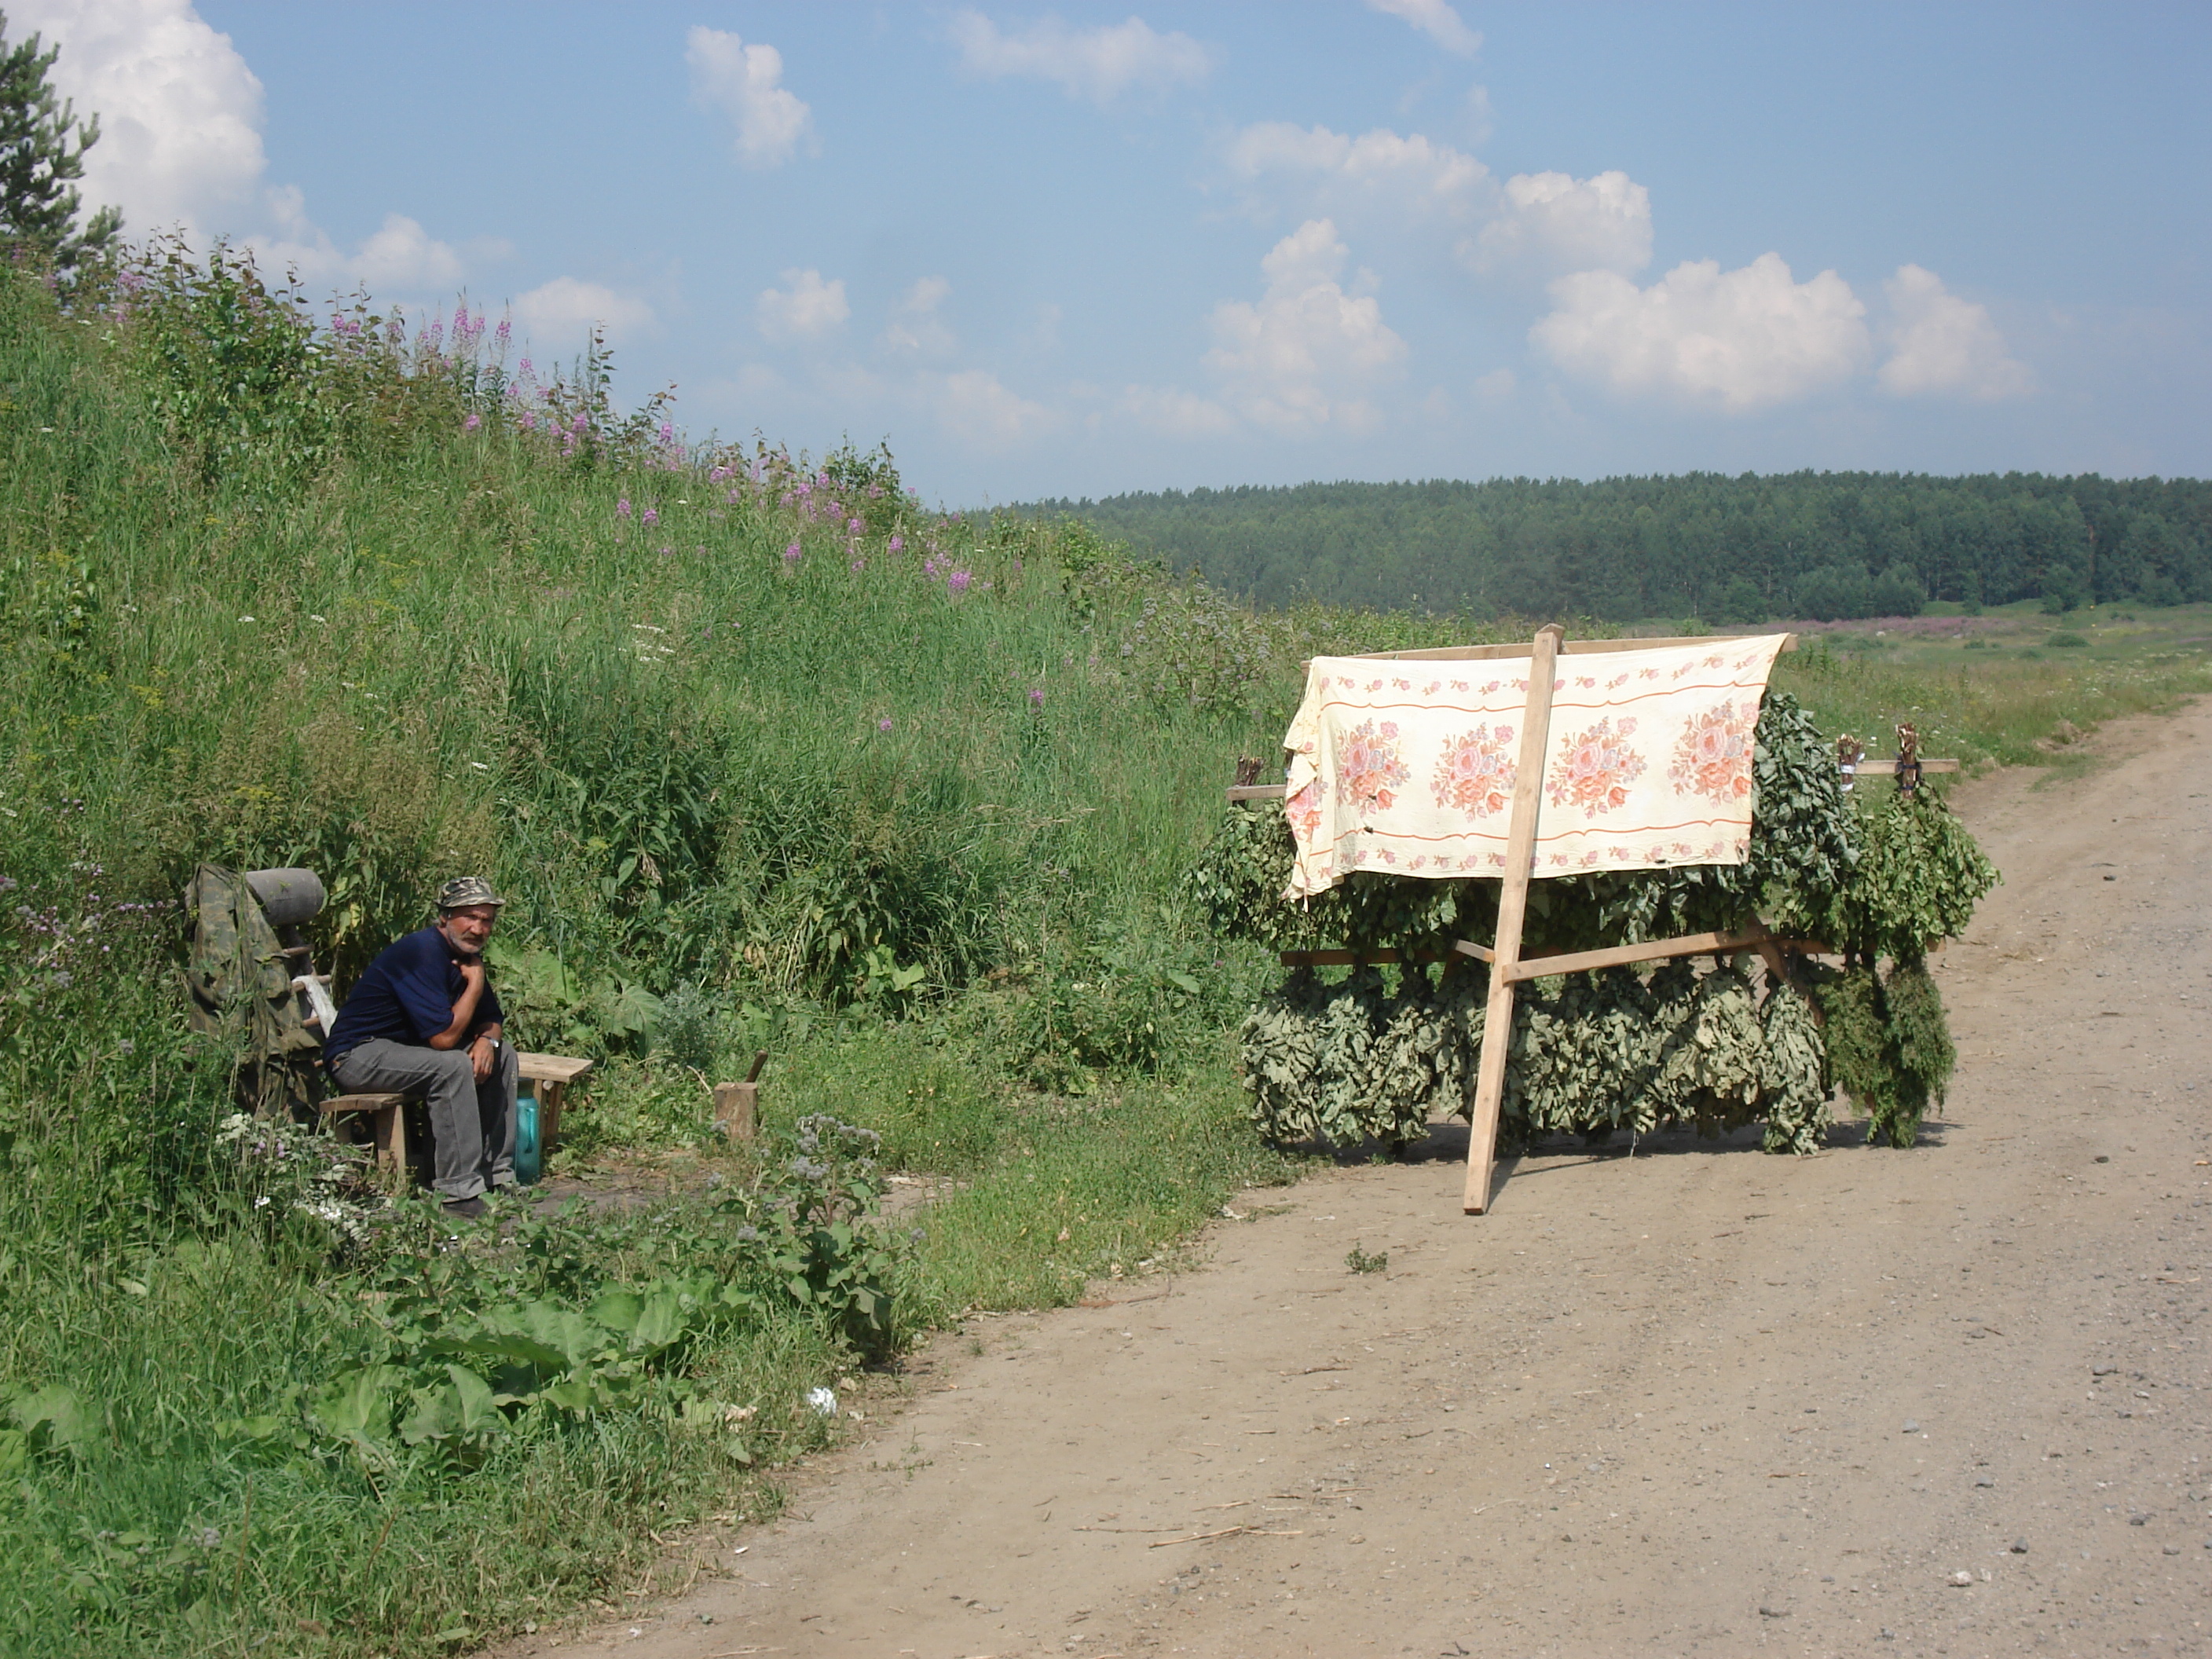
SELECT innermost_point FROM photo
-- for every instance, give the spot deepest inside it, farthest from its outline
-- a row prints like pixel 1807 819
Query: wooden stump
pixel 737 1109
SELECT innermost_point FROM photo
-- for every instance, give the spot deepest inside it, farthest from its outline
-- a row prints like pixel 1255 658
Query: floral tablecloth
pixel 1408 767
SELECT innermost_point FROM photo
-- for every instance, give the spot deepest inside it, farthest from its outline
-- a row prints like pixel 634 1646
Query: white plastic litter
pixel 823 1401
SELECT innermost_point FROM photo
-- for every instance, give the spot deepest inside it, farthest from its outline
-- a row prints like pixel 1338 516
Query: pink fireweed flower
pixel 883 725
pixel 791 554
pixel 667 432
pixel 530 424
pixel 472 424
pixel 929 566
pixel 897 544
pixel 651 517
pixel 1036 698
pixel 859 564
pixel 622 507
pixel 852 524
pixel 958 582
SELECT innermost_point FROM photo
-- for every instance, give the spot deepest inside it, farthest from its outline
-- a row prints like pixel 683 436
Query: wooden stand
pixel 1507 965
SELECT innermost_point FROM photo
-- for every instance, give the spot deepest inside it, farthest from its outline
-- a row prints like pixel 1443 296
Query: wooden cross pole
pixel 1512 907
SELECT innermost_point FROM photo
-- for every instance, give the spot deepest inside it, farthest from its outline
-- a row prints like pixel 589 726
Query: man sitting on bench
pixel 424 1020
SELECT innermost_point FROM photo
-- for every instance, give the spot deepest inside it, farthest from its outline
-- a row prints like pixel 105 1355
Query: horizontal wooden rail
pixel 1567 647
pixel 1257 791
pixel 1622 955
pixel 1382 957
pixel 1891 764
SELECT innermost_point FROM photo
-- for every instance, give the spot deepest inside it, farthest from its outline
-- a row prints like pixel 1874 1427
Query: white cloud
pixel 1411 174
pixel 1435 19
pixel 180 146
pixel 1736 341
pixel 975 408
pixel 179 112
pixel 807 310
pixel 1176 413
pixel 745 84
pixel 567 307
pixel 915 325
pixel 1552 221
pixel 1300 359
pixel 1943 345
pixel 1497 386
pixel 1095 63
pixel 403 255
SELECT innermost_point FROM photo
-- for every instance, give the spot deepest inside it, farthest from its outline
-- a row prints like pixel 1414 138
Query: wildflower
pixel 472 423
pixel 530 424
pixel 650 519
pixel 667 432
pixel 859 564
pixel 622 507
pixel 884 723
pixel 958 581
pixel 791 554
pixel 852 524
pixel 246 619
pixel 504 333
pixel 897 544
pixel 1036 697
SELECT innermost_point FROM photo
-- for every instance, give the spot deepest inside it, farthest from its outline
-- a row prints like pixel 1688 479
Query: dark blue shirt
pixel 407 995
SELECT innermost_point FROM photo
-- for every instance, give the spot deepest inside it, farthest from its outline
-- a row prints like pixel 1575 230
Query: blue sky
pixel 1079 250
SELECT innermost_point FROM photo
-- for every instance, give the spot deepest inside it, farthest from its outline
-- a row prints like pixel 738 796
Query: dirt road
pixel 1700 1402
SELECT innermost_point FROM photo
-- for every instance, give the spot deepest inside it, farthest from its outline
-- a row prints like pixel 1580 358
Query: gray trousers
pixel 473 1123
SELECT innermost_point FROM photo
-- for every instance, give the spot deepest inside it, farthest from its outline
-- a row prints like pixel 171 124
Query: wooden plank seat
pixel 387 1117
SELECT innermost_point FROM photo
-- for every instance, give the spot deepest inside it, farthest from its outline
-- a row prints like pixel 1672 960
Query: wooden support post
pixel 1512 908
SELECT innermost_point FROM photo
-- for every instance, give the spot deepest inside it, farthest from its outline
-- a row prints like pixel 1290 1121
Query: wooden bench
pixel 550 1074
pixel 387 1118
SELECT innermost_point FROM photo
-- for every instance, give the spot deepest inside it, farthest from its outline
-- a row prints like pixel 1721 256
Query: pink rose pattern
pixel 1476 772
pixel 1713 757
pixel 1368 765
pixel 1596 770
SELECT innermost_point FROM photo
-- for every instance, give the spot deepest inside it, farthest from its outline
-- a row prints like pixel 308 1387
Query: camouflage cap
pixel 465 892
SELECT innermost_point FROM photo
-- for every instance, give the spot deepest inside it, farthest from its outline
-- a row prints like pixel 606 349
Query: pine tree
pixel 42 145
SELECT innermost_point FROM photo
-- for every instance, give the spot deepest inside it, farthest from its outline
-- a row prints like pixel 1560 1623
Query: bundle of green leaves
pixel 1918 878
pixel 1364 1061
pixel 1889 1047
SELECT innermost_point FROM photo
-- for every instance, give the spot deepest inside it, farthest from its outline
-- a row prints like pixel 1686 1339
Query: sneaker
pixel 465 1209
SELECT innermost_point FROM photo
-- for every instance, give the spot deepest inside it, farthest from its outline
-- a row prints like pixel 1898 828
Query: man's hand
pixel 472 973
pixel 483 1052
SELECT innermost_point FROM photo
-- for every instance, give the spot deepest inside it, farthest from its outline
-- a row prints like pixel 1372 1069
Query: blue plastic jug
pixel 529 1150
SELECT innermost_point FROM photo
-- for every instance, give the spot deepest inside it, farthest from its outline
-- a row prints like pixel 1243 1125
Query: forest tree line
pixel 1728 549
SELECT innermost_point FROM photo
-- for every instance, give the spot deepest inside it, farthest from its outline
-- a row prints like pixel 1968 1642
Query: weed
pixel 1363 1261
